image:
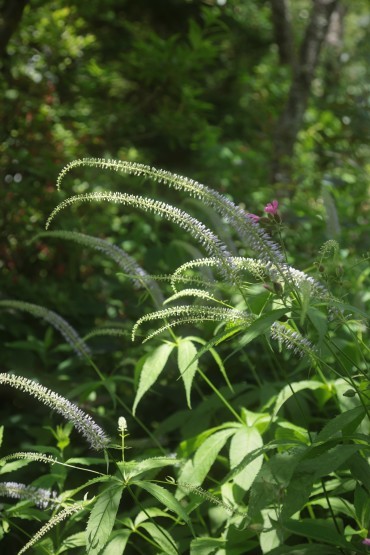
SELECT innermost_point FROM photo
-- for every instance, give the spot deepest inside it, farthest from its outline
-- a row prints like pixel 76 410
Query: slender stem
pixel 311 512
pixel 220 396
pixel 253 368
pixel 331 512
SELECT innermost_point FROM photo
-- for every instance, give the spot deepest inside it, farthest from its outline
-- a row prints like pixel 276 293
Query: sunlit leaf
pixel 165 497
pixel 186 353
pixel 206 546
pixel 244 441
pixel 102 518
pixel 162 537
pixel 152 368
pixel 195 471
pixel 118 542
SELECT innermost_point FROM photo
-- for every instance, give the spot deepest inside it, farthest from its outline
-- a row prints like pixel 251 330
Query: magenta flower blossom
pixel 254 217
pixel 272 207
pixel 366 541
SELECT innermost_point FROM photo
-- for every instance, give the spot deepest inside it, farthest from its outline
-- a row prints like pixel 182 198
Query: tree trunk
pixel 283 33
pixel 10 15
pixel 291 119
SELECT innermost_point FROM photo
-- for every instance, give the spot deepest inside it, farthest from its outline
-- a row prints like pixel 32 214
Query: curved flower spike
pixel 82 421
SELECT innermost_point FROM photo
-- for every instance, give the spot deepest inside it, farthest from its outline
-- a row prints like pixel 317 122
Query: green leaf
pixel 135 468
pixel 269 486
pixel 73 492
pixel 75 540
pixel 14 465
pixel 219 338
pixel 86 461
pixel 256 453
pixel 195 471
pixel 117 543
pixel 44 546
pixel 337 504
pixel 188 446
pixel 359 468
pixel 160 535
pixel 102 518
pixel 287 430
pixel 297 493
pixel 206 546
pixel 258 327
pixel 20 510
pixel 261 325
pixel 216 358
pixel 152 512
pixel 270 537
pixel 152 368
pixel 320 530
pixel 166 498
pixel 246 440
pixel 362 506
pixel 351 418
pixel 329 461
pixel 186 354
pixel 310 467
pixel 306 549
pixel 1 435
pixel 291 389
pixel 319 321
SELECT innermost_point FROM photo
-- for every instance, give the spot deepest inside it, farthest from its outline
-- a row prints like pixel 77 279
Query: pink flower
pixel 366 541
pixel 254 217
pixel 272 207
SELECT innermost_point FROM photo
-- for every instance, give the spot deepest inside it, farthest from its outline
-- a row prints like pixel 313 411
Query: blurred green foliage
pixel 191 86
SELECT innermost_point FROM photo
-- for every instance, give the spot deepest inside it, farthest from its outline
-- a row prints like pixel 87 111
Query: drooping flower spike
pixel 68 332
pixel 41 497
pixel 83 422
pixel 247 229
pixel 56 519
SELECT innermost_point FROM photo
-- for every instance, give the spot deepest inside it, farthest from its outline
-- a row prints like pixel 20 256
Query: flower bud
pixel 122 424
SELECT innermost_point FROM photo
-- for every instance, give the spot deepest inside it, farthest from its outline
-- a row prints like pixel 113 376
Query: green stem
pixel 220 396
pixel 332 512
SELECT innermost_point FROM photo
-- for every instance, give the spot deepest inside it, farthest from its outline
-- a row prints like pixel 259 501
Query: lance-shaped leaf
pixel 117 543
pixel 162 538
pixel 166 498
pixel 195 471
pixel 102 518
pixel 246 440
pixel 151 370
pixel 186 353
